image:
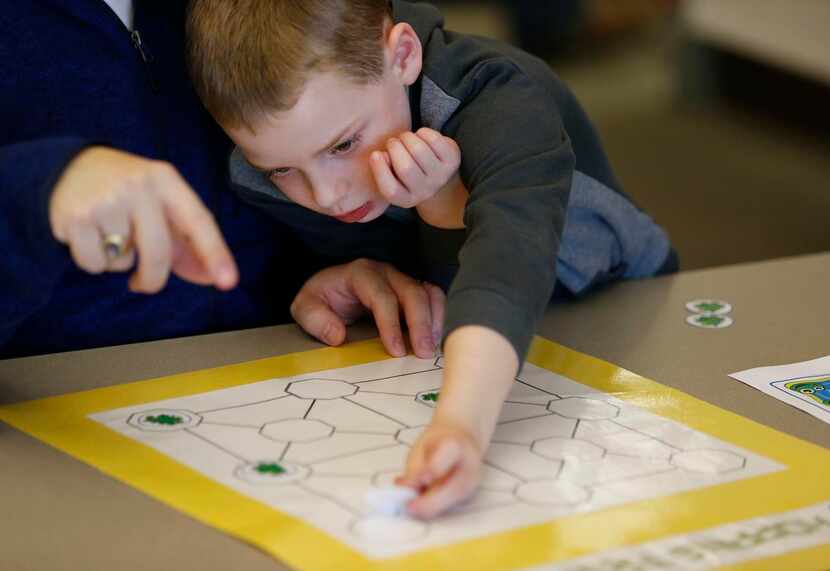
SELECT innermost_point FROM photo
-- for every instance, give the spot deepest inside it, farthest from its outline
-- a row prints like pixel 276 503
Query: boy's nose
pixel 327 193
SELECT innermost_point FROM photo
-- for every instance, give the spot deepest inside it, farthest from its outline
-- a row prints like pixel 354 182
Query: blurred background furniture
pixel 713 112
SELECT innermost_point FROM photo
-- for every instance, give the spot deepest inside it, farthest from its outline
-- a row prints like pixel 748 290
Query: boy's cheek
pixel 300 197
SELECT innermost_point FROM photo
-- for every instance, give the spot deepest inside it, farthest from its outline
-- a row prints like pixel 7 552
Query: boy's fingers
pixel 415 463
pixel 432 463
pixel 417 312
pixel 388 185
pixel 445 457
pixel 437 304
pixel 404 166
pixel 416 309
pixel 446 149
pixel 312 312
pixel 451 490
pixel 440 498
pixel 196 224
pixel 375 294
pixel 318 320
pixel 421 152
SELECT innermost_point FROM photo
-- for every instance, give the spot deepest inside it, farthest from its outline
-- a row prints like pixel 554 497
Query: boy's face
pixel 318 152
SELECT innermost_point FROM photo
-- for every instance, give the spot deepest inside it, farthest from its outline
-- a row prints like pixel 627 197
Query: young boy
pixel 404 140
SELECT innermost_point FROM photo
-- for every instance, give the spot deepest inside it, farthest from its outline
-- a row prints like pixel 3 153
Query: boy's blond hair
pixel 249 58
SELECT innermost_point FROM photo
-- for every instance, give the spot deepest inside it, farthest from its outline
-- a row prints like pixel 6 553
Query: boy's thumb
pixel 444 459
pixel 318 320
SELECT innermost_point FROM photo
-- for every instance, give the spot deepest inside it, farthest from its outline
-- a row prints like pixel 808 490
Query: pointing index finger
pixel 196 224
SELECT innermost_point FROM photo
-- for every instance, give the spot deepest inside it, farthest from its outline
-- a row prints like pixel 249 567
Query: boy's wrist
pixel 445 209
pixel 480 366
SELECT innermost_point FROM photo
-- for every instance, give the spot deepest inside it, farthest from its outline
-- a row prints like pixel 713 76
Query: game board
pixel 288 447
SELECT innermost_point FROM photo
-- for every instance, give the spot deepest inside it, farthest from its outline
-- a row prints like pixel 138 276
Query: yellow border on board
pixel 62 422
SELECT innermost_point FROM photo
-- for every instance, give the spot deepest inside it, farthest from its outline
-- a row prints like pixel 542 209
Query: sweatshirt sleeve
pixel 33 261
pixel 517 163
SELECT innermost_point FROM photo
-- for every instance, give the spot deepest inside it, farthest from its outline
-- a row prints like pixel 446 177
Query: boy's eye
pixel 277 173
pixel 343 147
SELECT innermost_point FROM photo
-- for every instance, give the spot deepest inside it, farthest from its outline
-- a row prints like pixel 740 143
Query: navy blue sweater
pixel 71 77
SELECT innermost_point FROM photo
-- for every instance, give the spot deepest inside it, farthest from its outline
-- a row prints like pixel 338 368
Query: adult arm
pixel 33 261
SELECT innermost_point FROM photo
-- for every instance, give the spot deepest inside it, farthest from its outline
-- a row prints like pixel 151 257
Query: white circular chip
pixel 709 306
pixel 389 530
pixel 390 500
pixel 709 321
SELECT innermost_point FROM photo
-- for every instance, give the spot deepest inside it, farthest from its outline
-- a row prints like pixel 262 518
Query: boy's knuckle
pixel 419 144
pixel 455 152
pixel 409 171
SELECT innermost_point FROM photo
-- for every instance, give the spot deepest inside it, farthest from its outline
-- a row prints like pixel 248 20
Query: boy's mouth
pixel 356 214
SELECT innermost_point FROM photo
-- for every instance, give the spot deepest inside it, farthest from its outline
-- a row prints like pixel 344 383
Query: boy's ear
pixel 404 53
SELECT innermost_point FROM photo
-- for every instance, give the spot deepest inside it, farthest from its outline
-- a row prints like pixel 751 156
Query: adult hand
pixel 104 192
pixel 337 296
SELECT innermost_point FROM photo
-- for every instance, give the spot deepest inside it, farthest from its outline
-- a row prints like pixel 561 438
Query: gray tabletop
pixel 58 513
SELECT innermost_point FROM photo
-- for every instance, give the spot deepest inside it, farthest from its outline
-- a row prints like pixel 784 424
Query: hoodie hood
pixel 424 18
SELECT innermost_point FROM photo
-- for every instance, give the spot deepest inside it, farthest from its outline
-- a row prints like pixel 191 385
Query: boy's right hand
pixel 149 205
pixel 444 466
pixel 420 170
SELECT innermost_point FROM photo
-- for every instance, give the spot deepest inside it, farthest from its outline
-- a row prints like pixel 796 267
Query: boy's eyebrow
pixel 333 142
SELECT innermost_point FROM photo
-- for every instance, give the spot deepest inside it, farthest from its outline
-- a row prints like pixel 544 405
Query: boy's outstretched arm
pixel 444 465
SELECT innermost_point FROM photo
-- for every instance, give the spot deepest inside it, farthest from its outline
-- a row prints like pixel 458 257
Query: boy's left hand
pixel 414 167
pixel 444 466
pixel 336 296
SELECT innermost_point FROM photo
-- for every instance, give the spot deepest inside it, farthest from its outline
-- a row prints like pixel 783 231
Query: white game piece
pixel 390 500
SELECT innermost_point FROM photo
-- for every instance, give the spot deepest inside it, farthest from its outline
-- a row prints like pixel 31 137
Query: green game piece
pixel 710 320
pixel 709 307
pixel 271 468
pixel 431 397
pixel 167 419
